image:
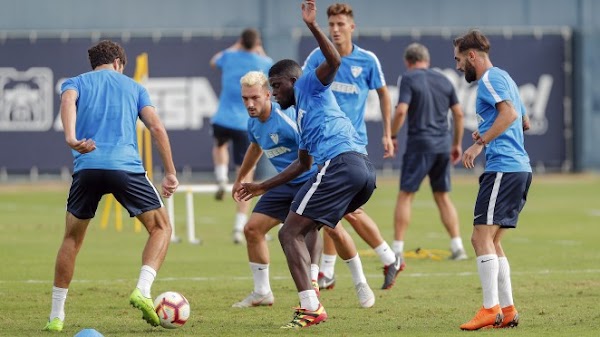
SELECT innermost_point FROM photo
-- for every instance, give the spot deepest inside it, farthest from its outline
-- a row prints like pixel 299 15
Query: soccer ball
pixel 172 308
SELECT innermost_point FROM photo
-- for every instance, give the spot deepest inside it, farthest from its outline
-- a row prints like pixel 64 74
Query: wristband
pixel 480 141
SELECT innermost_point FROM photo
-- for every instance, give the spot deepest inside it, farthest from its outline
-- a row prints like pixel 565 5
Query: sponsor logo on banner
pixel 26 100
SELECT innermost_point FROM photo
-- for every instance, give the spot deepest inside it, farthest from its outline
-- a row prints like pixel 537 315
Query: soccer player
pixel 273 131
pixel 101 107
pixel 424 99
pixel 231 119
pixel 345 180
pixel 505 182
pixel 359 73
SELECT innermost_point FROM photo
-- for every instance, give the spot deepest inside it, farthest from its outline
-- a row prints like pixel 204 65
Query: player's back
pixel 231 112
pixel 429 95
pixel 108 105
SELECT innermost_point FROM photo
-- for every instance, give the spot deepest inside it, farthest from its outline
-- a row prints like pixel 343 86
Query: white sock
pixel 487 266
pixel 260 273
pixel 456 244
pixel 147 276
pixel 398 247
pixel 504 285
pixel 240 222
pixel 221 174
pixel 386 254
pixel 59 296
pixel 314 271
pixel 328 265
pixel 309 300
pixel 355 265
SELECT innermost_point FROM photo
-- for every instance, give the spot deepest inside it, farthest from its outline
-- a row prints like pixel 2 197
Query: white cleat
pixel 458 255
pixel 365 295
pixel 238 237
pixel 255 300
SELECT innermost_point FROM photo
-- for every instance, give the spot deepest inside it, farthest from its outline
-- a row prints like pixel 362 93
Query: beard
pixel 470 74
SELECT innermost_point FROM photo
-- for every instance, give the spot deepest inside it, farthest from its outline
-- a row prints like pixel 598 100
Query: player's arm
pixel 251 158
pixel 385 105
pixel 456 150
pixel 68 116
pixel 159 135
pixel 213 60
pixel 301 164
pixel 398 121
pixel 325 71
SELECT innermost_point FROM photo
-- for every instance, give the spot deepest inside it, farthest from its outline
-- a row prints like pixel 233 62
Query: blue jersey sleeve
pixel 495 88
pixel 312 60
pixel 221 59
pixel 70 84
pixel 144 98
pixel 376 79
pixel 251 131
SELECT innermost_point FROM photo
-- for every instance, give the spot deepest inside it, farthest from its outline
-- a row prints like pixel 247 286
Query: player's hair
pixel 106 52
pixel 474 39
pixel 286 68
pixel 340 8
pixel 250 38
pixel 416 52
pixel 253 78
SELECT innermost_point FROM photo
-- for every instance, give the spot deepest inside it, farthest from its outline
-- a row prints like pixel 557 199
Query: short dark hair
pixel 286 68
pixel 106 52
pixel 474 39
pixel 340 8
pixel 250 37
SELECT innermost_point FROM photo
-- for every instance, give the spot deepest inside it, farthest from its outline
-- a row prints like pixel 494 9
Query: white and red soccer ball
pixel 172 308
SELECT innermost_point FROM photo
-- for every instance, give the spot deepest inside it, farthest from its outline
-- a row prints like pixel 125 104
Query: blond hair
pixel 253 78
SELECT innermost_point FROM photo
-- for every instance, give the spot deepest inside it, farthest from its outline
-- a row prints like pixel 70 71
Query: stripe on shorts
pixel 312 189
pixel 493 197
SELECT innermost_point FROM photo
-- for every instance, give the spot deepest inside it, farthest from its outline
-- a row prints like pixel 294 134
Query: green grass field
pixel 554 256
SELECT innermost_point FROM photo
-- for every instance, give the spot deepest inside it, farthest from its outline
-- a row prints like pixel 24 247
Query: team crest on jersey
pixel 274 137
pixel 356 70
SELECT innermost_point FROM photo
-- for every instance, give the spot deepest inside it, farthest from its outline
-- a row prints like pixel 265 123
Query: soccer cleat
pixel 304 318
pixel 255 300
pixel 146 305
pixel 511 317
pixel 220 192
pixel 458 255
pixel 391 271
pixel 238 238
pixel 325 282
pixel 365 295
pixel 315 286
pixel 485 318
pixel 54 325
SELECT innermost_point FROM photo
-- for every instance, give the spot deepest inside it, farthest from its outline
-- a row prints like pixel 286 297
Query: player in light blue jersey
pixel 273 132
pixel 345 180
pixel 99 112
pixel 359 73
pixel 504 185
pixel 231 119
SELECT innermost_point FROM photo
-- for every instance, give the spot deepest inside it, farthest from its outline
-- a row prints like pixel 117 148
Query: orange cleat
pixel 484 318
pixel 511 317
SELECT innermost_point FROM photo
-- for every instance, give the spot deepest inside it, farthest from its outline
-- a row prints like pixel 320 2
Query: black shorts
pixel 276 202
pixel 343 184
pixel 239 139
pixel 415 166
pixel 134 191
pixel 501 198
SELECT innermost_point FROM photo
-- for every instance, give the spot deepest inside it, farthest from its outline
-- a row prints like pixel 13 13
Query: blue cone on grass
pixel 88 333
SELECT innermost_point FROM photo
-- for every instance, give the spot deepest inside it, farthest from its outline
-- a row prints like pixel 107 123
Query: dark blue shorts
pixel 415 166
pixel 276 202
pixel 501 198
pixel 134 191
pixel 343 184
pixel 239 139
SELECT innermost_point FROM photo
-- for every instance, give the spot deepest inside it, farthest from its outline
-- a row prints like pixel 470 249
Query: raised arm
pixel 326 70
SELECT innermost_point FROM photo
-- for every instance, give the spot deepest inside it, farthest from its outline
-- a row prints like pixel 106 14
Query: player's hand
pixel 237 186
pixel 169 185
pixel 470 154
pixel 455 154
pixel 526 123
pixel 250 190
pixel 475 135
pixel 309 11
pixel 388 147
pixel 82 146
